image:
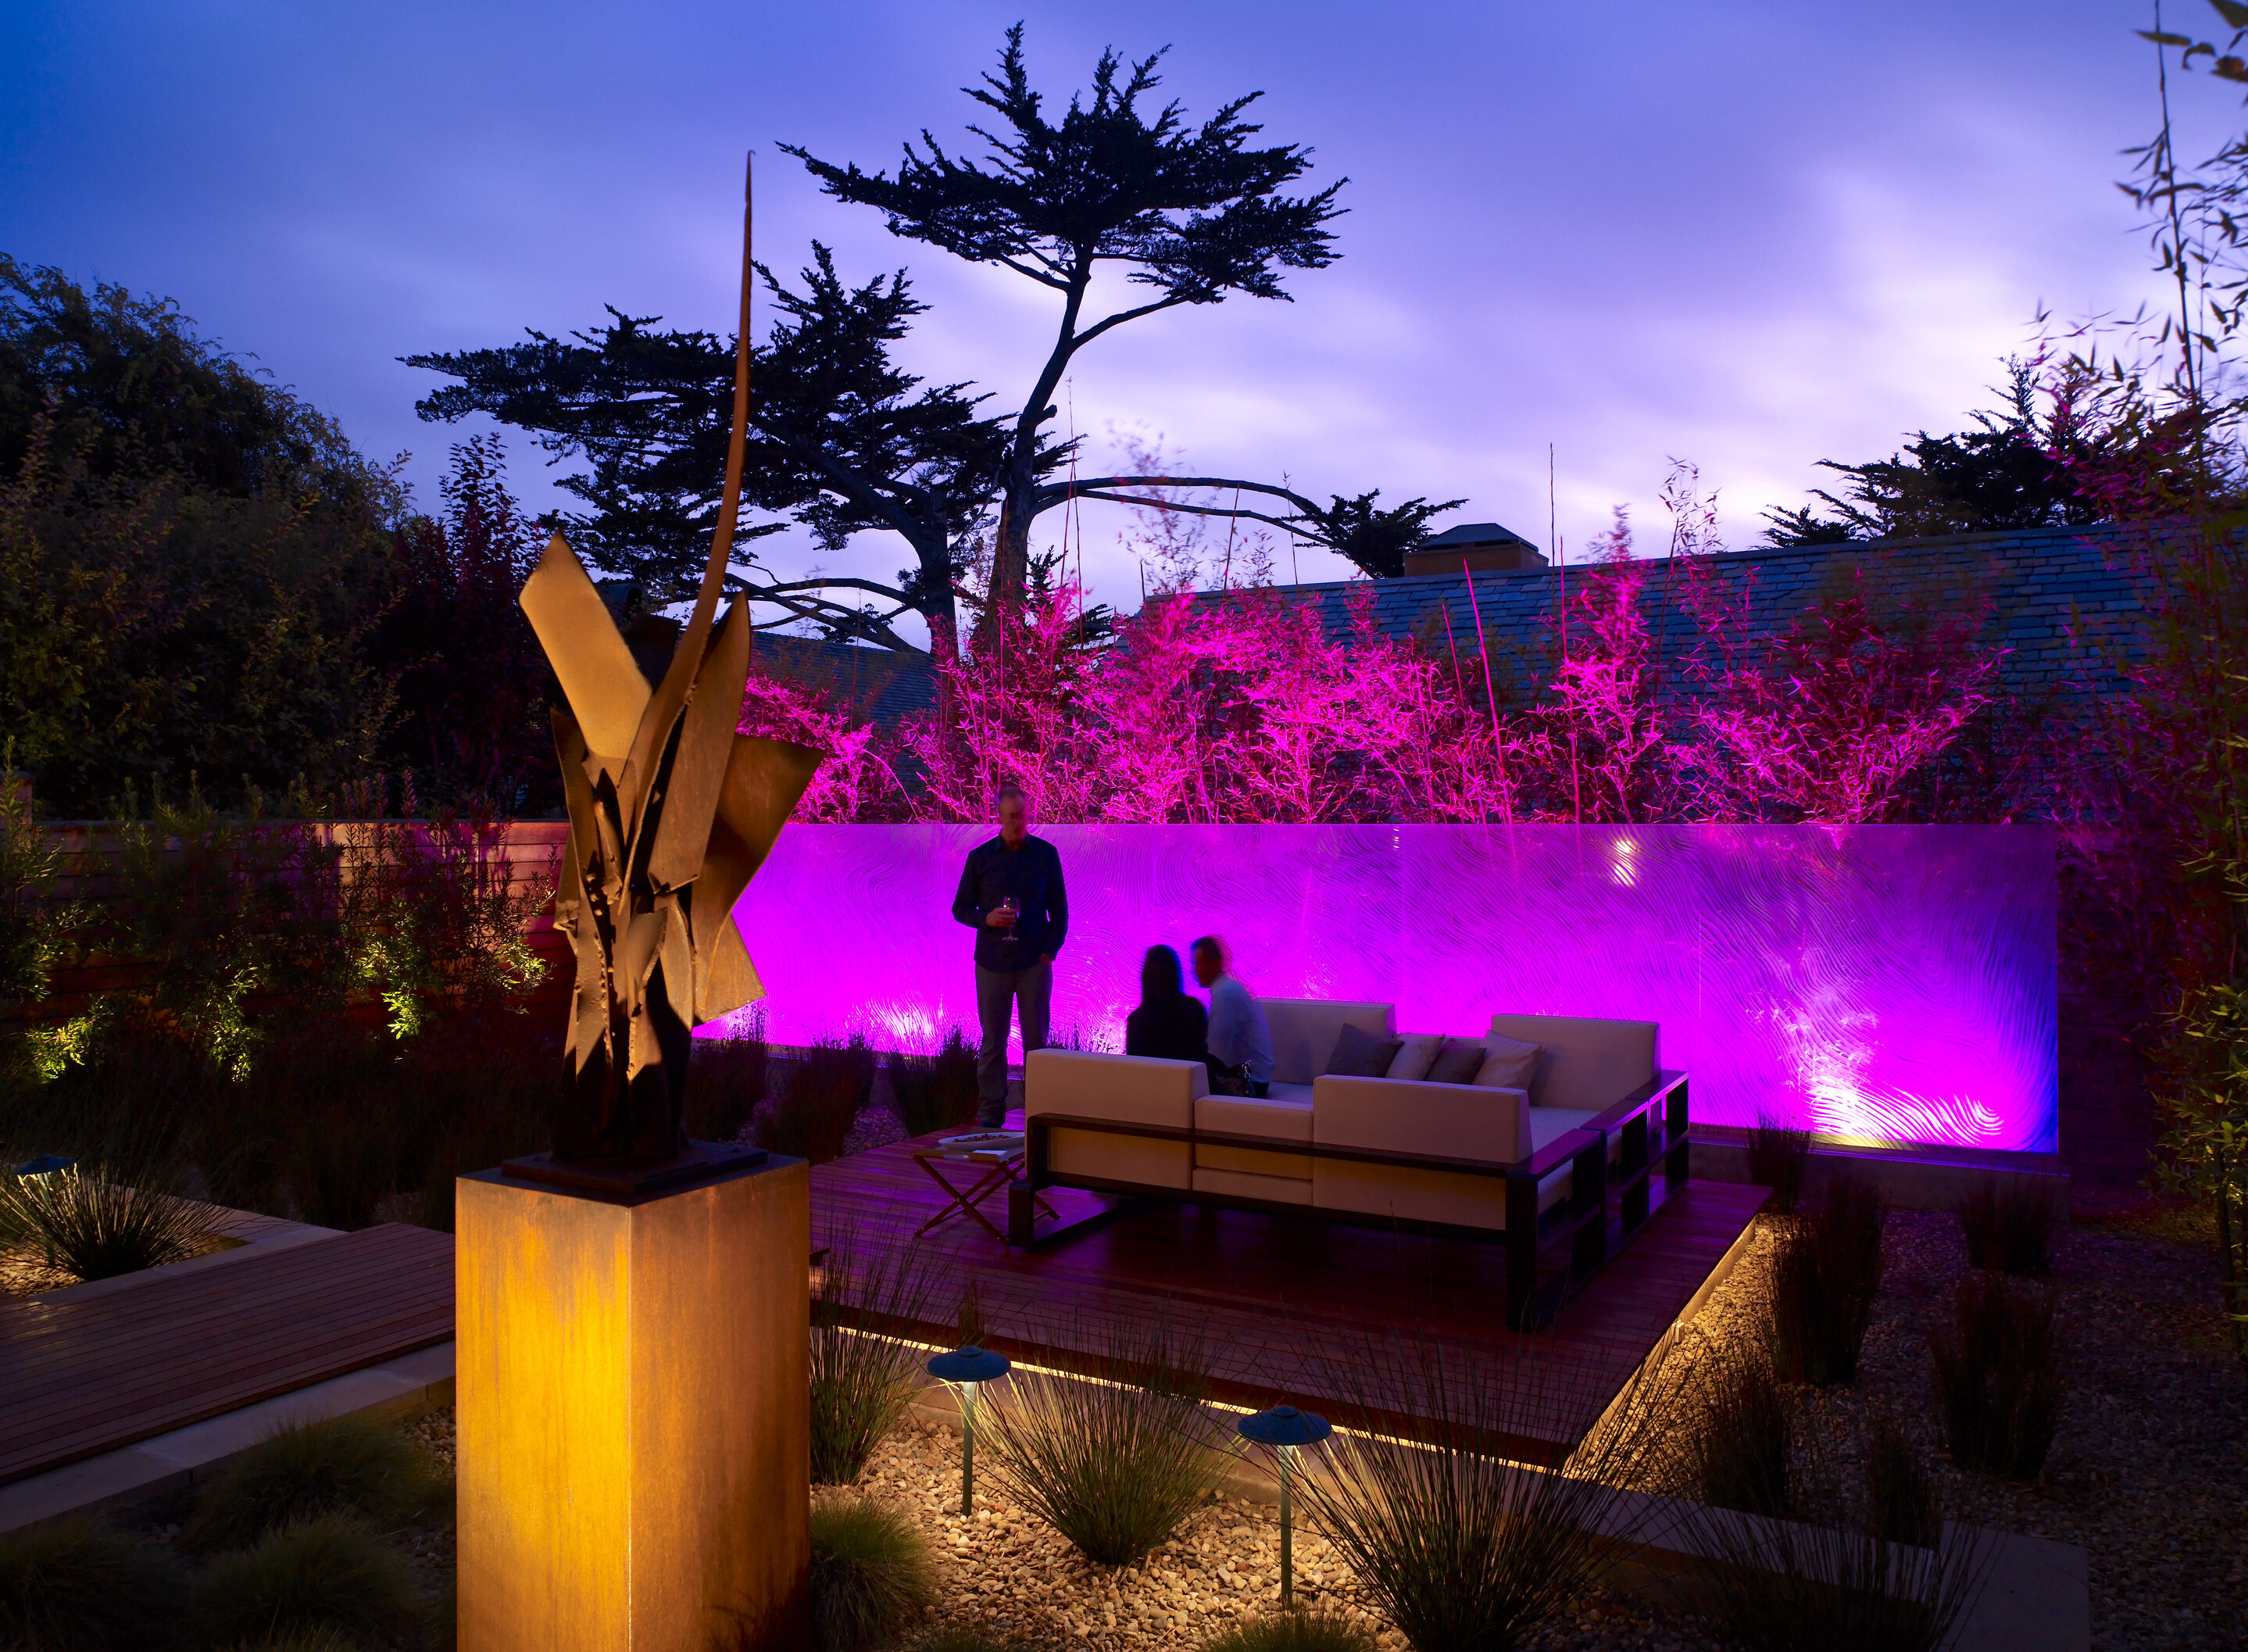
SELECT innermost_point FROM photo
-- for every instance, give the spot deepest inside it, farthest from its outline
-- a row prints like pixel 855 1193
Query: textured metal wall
pixel 1881 982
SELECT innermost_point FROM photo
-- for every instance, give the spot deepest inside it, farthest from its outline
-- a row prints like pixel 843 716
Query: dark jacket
pixel 1176 1029
pixel 1032 874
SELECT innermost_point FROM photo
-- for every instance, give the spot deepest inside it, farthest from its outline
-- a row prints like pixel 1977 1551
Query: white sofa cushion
pixel 1414 1056
pixel 1303 1031
pixel 1588 1063
pixel 1277 1190
pixel 1129 1089
pixel 1276 1119
pixel 1396 1115
pixel 1410 1196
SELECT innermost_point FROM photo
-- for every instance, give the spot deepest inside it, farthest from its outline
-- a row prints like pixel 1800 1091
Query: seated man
pixel 1169 1024
pixel 1240 1043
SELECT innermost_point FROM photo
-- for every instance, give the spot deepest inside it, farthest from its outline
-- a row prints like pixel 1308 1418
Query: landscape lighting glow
pixel 1886 983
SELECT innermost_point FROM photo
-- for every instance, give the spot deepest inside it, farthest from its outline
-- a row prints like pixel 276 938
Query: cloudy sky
pixel 1750 236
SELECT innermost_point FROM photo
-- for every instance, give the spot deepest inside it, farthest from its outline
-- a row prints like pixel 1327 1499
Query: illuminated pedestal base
pixel 635 1445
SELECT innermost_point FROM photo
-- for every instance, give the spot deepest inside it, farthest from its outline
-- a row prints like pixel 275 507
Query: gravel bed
pixel 2148 1474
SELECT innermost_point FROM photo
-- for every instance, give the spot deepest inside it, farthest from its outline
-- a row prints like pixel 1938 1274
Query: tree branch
pixel 1121 316
pixel 1054 493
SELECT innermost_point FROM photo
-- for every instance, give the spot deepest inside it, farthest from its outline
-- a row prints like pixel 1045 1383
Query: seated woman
pixel 1169 1023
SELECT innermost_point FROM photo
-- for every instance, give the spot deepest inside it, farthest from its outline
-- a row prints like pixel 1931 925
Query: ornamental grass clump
pixel 1310 1630
pixel 1744 1441
pixel 1998 1377
pixel 871 1573
pixel 1864 1561
pixel 328 1572
pixel 865 1293
pixel 341 1466
pixel 935 1092
pixel 79 1223
pixel 76 1583
pixel 1117 1459
pixel 1461 1547
pixel 2008 1226
pixel 1778 1154
pixel 1825 1274
pixel 819 1101
pixel 726 1082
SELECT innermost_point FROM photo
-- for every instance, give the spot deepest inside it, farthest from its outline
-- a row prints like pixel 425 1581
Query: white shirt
pixel 1237 1033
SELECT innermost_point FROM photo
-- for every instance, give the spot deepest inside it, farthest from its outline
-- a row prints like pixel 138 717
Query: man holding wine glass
pixel 1011 894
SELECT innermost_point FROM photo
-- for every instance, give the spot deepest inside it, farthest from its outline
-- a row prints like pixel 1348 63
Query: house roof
pixel 1467 533
pixel 878 683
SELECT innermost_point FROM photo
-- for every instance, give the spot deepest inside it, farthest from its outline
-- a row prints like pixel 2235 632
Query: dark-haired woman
pixel 1171 1022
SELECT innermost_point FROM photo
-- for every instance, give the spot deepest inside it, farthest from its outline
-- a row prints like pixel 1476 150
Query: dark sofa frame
pixel 1550 1255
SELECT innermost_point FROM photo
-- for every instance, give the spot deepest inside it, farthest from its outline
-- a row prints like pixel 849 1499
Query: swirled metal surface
pixel 1882 983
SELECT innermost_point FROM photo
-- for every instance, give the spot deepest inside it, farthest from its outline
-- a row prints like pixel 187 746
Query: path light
pixel 1283 1429
pixel 964 1368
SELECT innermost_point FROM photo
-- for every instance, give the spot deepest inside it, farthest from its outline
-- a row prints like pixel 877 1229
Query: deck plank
pixel 80 1378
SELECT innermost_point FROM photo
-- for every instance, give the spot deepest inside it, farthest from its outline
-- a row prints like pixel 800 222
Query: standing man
pixel 1010 895
pixel 1240 1042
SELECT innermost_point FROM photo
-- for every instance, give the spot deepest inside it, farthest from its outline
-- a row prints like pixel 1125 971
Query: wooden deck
pixel 82 1375
pixel 1286 1305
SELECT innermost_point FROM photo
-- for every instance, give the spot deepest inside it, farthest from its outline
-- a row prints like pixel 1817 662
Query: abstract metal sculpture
pixel 671 814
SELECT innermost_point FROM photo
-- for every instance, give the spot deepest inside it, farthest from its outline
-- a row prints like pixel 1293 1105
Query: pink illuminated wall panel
pixel 1879 982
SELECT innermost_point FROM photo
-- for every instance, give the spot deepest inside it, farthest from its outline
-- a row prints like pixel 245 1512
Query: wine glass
pixel 1013 910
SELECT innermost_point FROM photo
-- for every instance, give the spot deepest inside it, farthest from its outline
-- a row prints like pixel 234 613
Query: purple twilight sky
pixel 1747 235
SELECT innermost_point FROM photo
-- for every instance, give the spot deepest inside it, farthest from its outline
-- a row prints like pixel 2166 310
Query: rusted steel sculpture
pixel 671 814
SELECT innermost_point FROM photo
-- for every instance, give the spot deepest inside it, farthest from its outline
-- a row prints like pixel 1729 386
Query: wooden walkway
pixel 81 1377
pixel 1286 1305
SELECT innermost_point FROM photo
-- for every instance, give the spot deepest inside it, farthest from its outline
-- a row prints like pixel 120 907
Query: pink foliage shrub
pixel 1243 706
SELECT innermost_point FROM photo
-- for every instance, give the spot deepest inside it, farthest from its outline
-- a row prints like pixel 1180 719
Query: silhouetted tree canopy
pixel 2001 474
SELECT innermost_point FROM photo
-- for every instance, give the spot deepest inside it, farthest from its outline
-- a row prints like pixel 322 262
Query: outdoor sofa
pixel 1561 1169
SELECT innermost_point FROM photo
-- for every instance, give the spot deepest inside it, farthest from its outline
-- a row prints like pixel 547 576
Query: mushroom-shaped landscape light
pixel 965 1368
pixel 1283 1429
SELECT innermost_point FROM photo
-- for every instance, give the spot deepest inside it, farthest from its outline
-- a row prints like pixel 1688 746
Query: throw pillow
pixel 1414 1056
pixel 1458 1062
pixel 1508 1064
pixel 1359 1054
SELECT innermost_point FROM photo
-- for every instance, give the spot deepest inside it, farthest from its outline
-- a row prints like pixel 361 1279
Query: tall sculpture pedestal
pixel 634 1413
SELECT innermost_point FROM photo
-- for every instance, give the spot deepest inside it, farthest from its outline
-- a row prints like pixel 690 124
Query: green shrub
pixel 862 1380
pixel 343 1163
pixel 327 1573
pixel 1305 1631
pixel 1778 1154
pixel 2009 1226
pixel 819 1101
pixel 77 1586
pixel 1825 1275
pixel 1902 1502
pixel 1744 1443
pixel 937 1092
pixel 344 1465
pixel 1114 1464
pixel 726 1083
pixel 76 1225
pixel 1998 1377
pixel 870 1573
pixel 1459 1547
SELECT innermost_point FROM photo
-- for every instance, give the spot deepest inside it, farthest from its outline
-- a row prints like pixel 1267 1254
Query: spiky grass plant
pixel 871 1573
pixel 1838 1575
pixel 1302 1631
pixel 343 1163
pixel 76 1583
pixel 870 1289
pixel 1115 1460
pixel 1999 1376
pixel 2008 1226
pixel 935 1092
pixel 344 1465
pixel 321 1637
pixel 1464 1549
pixel 819 1101
pixel 1743 1440
pixel 1778 1154
pixel 71 1225
pixel 327 1573
pixel 726 1082
pixel 1825 1276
